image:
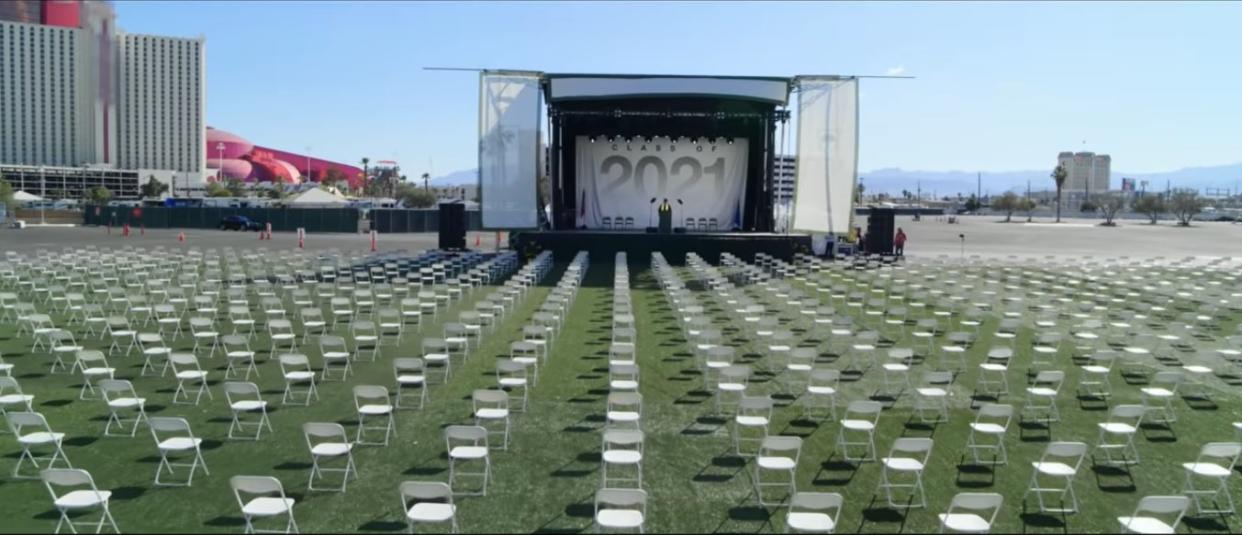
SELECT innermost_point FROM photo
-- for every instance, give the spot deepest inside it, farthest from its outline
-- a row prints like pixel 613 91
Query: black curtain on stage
pixel 703 117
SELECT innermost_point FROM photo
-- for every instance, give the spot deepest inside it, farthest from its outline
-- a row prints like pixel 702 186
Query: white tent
pixel 21 196
pixel 317 197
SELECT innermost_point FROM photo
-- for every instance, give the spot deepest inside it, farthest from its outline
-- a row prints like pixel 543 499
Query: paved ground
pixel 985 235
pixel 988 236
pixel 55 237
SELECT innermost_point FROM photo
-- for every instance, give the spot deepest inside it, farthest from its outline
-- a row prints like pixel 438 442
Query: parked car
pixel 239 222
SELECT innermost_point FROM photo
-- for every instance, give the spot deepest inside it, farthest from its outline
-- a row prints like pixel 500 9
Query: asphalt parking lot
pixel 989 236
pixel 984 235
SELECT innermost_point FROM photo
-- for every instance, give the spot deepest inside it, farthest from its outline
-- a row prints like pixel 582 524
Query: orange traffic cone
pixel 477 242
pixel 373 241
pixel 181 236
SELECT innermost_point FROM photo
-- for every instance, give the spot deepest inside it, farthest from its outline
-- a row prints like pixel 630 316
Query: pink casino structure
pixel 241 159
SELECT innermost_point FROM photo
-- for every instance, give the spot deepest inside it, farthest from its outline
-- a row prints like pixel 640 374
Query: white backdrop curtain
pixel 509 149
pixel 827 167
pixel 619 180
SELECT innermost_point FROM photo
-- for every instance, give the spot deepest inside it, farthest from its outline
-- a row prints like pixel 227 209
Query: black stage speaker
pixel 880 230
pixel 453 226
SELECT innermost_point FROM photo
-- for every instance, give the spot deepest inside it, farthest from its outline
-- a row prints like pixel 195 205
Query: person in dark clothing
pixel 899 242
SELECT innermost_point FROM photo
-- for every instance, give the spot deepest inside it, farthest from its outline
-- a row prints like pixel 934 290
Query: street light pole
pixel 220 149
pixel 42 193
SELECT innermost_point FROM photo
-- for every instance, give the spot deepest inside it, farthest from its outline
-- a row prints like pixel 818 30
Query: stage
pixel 604 244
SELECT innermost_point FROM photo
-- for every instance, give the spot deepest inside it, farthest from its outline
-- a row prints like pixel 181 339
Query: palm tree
pixel 426 179
pixel 365 175
pixel 1059 175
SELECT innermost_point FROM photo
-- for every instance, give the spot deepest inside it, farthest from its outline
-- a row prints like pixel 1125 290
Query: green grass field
pixel 546 480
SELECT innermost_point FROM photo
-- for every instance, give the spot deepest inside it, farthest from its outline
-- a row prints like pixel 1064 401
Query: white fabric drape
pixel 827 167
pixel 509 149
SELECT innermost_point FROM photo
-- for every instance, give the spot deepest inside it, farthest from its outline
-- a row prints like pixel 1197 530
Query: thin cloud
pixel 896 71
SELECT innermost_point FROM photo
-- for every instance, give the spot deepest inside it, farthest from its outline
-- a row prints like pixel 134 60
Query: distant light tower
pixel 308 168
pixel 42 193
pixel 220 151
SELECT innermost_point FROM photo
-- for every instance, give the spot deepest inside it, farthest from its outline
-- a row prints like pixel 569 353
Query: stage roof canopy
pixel 566 87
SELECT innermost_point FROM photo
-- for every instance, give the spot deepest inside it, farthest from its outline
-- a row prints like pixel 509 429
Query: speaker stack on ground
pixel 880 230
pixel 453 226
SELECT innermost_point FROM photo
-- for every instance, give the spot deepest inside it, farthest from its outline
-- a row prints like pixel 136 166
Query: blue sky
pixel 1001 86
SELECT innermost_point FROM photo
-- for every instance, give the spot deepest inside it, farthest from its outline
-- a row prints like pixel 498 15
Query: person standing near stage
pixel 899 243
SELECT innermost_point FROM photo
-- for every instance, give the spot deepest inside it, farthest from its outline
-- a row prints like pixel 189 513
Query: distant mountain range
pixel 893 180
pixel 457 178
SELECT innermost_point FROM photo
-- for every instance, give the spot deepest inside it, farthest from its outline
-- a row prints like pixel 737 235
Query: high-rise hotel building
pixel 77 92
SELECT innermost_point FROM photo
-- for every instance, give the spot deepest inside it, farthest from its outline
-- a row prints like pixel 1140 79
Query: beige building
pixel 1086 171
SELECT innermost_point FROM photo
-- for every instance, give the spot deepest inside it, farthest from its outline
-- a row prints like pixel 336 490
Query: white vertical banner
pixel 827 167
pixel 509 149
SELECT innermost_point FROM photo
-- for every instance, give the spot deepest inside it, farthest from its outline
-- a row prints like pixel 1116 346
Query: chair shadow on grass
pixel 588 423
pixel 1034 431
pixel 800 427
pixel 56 403
pixel 835 472
pixel 573 468
pixel 379 524
pixel 881 513
pixel 721 468
pixel 1106 474
pixel 1161 432
pixel 968 470
pixel 1034 519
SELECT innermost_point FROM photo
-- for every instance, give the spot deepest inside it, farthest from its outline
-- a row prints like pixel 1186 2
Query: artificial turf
pixel 546 479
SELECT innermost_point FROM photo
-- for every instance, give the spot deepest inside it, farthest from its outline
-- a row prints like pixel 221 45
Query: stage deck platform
pixel 604 244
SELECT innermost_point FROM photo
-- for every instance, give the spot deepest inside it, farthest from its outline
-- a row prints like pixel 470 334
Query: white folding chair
pixel 511 377
pixel 328 441
pixel 991 421
pixel 121 398
pixel 187 371
pixel 1215 462
pixel 1041 396
pixel 1059 462
pixel 373 401
pixel 262 497
pixel 173 437
pixel 1155 514
pixel 777 455
pixel 620 509
pixel 436 356
pixel 33 433
pixel 335 356
pixel 409 373
pixel 908 457
pixel 1117 435
pixel 861 417
pixel 239 355
pixel 750 424
pixel 971 512
pixel 465 444
pixel 296 370
pixel 245 399
pixel 821 393
pixel 491 408
pixel 624 409
pixel 428 502
pixel 1158 397
pixel 85 498
pixel 622 449
pixel 813 512
pixel 94 366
